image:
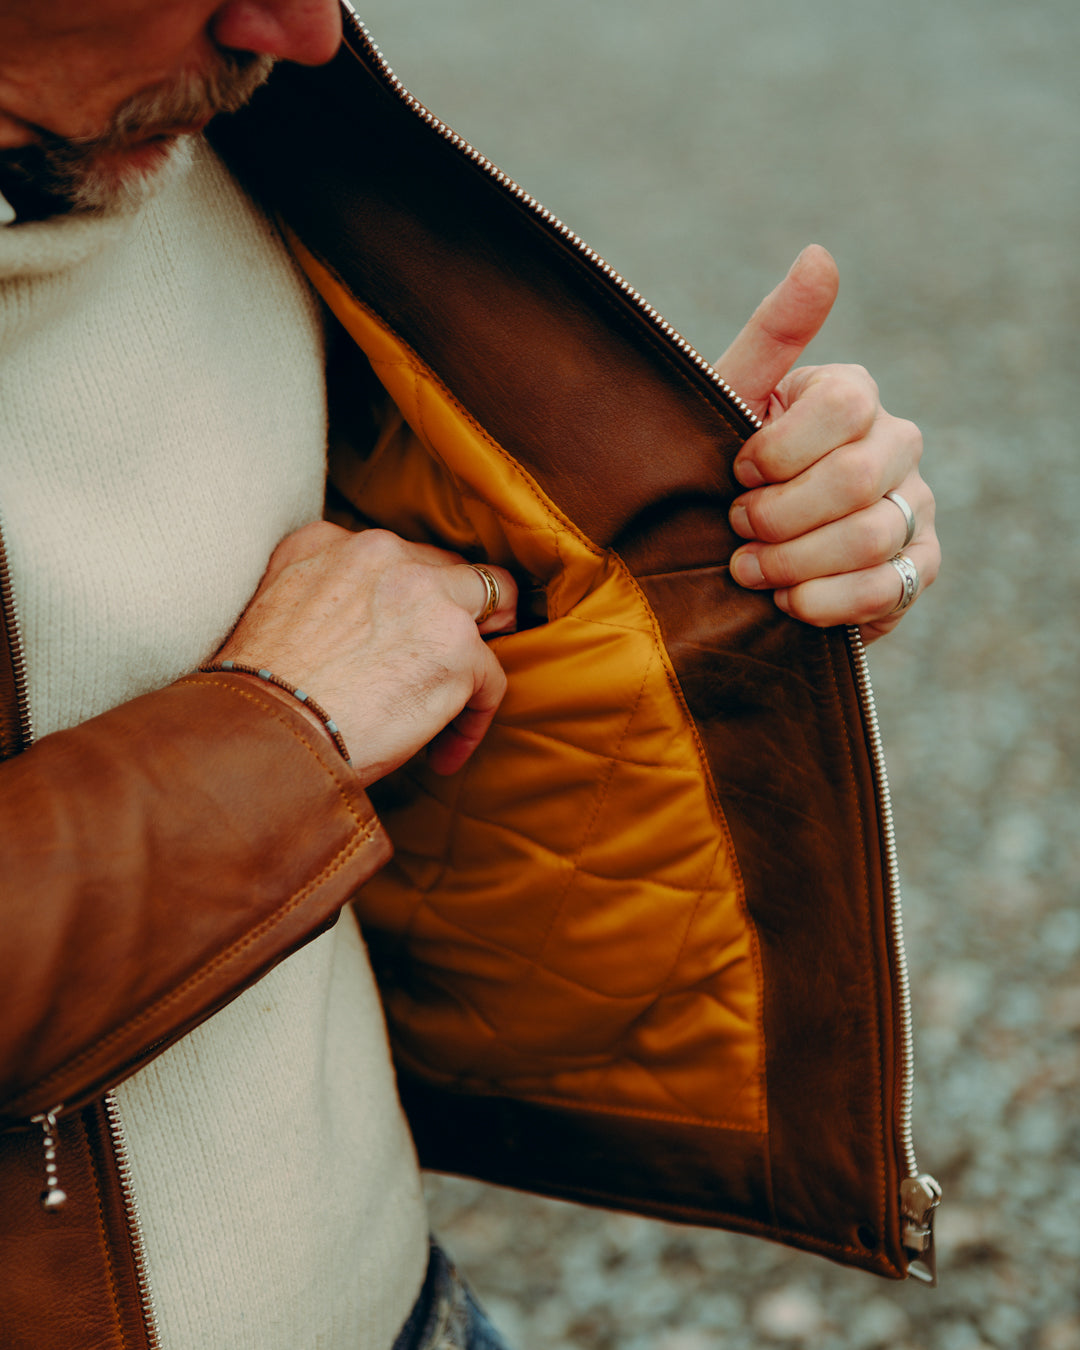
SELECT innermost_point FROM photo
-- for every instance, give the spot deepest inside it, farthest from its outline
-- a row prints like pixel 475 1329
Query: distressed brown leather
pixel 68 1278
pixel 157 861
pixel 633 444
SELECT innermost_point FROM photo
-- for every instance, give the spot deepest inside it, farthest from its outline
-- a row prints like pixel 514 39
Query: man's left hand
pixel 822 530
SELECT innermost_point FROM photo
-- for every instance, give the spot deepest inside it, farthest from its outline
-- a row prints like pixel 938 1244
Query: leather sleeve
pixel 156 861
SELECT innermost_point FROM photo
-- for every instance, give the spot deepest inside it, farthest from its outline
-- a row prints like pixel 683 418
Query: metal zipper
pixel 919 1194
pixel 542 213
pixel 53 1197
pixel 118 1138
pixel 18 658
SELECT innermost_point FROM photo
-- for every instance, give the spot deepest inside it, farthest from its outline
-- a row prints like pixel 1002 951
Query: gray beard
pixel 57 174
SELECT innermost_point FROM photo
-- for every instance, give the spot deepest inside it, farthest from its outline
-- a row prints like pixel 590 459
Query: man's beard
pixel 58 174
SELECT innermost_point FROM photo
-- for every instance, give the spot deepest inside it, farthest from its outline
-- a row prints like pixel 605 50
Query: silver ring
pixel 909 517
pixel 491 604
pixel 909 581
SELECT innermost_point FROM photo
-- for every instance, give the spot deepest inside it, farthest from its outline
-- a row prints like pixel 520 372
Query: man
pixel 174 837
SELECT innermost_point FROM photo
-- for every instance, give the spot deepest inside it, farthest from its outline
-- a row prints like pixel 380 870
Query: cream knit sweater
pixel 162 427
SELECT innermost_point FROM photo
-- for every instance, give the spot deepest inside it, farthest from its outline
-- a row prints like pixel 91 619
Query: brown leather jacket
pixel 645 951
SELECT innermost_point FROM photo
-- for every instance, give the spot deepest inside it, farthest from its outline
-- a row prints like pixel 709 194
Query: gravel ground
pixel 933 148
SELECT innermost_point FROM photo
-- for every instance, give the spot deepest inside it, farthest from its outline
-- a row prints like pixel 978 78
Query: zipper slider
pixel 52 1197
pixel 919 1198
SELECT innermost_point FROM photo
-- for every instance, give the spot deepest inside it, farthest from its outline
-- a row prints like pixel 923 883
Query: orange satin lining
pixel 570 904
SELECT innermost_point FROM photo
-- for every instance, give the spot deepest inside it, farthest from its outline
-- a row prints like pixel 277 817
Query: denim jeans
pixel 446 1316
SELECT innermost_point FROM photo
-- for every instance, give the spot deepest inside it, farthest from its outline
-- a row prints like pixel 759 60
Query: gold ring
pixel 491 604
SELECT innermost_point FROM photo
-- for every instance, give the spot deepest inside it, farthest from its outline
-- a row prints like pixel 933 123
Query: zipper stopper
pixel 919 1199
pixel 53 1197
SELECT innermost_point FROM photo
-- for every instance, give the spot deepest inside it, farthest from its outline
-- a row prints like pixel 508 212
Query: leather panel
pixel 67 1278
pixel 633 445
pixel 123 926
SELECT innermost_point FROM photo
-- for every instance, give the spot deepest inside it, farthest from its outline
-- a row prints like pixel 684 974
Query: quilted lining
pixel 564 918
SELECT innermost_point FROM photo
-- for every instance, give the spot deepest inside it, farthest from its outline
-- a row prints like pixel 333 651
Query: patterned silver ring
pixel 909 580
pixel 909 516
pixel 491 603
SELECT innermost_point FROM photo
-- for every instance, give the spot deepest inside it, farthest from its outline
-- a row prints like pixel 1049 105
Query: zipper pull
pixel 52 1197
pixel 919 1198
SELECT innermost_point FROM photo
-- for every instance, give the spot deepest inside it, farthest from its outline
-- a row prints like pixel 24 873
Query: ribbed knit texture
pixel 162 427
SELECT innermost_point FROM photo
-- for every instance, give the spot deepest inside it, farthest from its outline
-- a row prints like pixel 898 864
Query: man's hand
pixel 823 530
pixel 384 634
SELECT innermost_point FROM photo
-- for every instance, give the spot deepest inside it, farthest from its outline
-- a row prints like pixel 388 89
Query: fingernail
pixel 740 520
pixel 748 473
pixel 746 570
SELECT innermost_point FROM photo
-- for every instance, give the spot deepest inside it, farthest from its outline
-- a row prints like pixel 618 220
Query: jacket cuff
pixel 159 859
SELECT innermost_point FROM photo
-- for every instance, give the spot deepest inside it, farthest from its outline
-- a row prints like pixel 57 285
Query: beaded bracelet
pixel 237 667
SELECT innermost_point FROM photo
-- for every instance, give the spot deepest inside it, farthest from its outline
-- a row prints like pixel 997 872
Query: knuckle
pixel 874 537
pixel 764 514
pixel 378 545
pixel 911 438
pixel 861 376
pixel 802 605
pixel 778 567
pixel 860 477
pixel 851 397
pixel 301 543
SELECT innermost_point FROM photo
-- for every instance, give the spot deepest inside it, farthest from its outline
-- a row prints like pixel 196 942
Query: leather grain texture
pixel 157 861
pixel 67 1278
pixel 517 359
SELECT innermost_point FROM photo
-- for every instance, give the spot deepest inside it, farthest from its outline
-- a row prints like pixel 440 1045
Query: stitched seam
pixel 603 788
pixel 419 366
pixel 429 443
pixel 740 885
pixel 272 921
pixel 274 708
pixel 549 507
pixel 740 1223
pixel 103 1234
pixel 422 374
pixel 882 1124
pixel 569 980
pixel 204 972
pixel 598 1108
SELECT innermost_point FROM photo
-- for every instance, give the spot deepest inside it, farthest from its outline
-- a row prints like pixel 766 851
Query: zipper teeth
pixel 18 657
pixel 131 1209
pixel 549 218
pixel 892 890
pixel 862 673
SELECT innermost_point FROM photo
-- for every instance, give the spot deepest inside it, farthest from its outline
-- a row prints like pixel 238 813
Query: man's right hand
pixel 383 633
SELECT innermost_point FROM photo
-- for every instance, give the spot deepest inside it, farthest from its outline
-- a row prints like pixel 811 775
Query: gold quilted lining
pixel 569 903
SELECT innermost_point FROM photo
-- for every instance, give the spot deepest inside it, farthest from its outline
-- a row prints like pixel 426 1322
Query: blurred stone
pixel 793 1313
pixel 876 1323
pixel 1063 1333
pixel 959 1335
pixel 688 1340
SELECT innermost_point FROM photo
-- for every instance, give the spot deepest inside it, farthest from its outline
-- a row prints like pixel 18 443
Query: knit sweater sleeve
pixel 157 860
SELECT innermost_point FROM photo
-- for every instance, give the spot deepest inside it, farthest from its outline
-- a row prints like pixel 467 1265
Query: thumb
pixel 781 327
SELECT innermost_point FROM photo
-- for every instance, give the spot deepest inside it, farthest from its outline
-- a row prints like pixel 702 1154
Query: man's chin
pixel 123 178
